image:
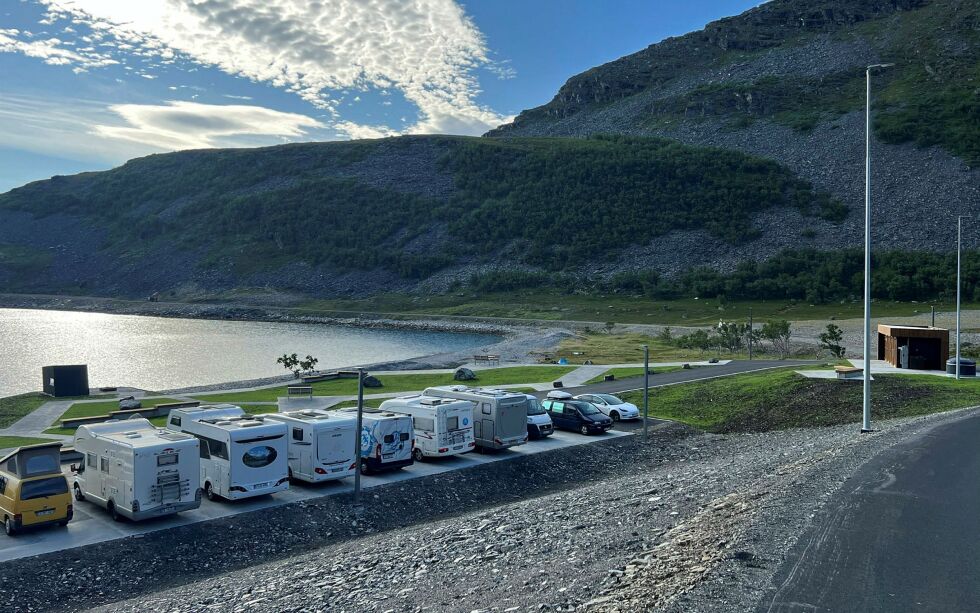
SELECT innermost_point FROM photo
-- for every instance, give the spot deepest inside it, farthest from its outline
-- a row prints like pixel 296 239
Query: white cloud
pixel 191 125
pixel 51 50
pixel 427 49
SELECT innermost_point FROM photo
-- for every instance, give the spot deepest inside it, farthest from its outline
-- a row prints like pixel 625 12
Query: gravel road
pixel 688 521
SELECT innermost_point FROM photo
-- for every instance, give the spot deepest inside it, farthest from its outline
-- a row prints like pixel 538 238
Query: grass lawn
pixel 12 408
pixel 630 371
pixel 89 409
pixel 254 409
pixel 6 442
pixel 779 399
pixel 541 304
pixel 402 383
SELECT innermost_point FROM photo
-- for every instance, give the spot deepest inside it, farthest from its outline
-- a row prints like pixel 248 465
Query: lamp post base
pixel 866 430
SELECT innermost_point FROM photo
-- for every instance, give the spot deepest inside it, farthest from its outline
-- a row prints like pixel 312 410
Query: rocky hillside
pixel 785 81
pixel 358 217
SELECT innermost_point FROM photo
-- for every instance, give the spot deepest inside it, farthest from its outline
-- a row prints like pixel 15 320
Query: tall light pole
pixel 357 439
pixel 959 256
pixel 646 387
pixel 866 423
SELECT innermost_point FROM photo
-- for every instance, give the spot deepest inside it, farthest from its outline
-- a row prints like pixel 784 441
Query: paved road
pixel 902 535
pixel 734 367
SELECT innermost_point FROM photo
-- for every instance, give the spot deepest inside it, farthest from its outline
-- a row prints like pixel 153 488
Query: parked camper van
pixel 387 439
pixel 321 444
pixel 241 455
pixel 135 470
pixel 539 424
pixel 443 426
pixel 33 490
pixel 499 416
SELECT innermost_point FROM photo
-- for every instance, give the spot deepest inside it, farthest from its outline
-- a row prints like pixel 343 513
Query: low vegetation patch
pixel 780 399
pixel 90 409
pixel 6 442
pixel 12 408
pixel 627 372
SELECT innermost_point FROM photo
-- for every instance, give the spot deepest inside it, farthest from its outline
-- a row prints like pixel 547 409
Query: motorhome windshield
pixel 534 407
pixel 42 488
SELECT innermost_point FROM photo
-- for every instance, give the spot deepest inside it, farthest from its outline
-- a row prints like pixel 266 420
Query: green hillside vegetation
pixel 776 400
pixel 556 202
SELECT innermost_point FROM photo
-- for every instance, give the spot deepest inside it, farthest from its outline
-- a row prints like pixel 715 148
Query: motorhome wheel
pixel 584 429
pixel 365 467
pixel 113 513
pixel 209 490
pixel 8 526
pixel 79 496
pixel 417 455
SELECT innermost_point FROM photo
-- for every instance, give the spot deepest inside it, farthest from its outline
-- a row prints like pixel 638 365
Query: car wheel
pixel 113 512
pixel 417 455
pixel 79 496
pixel 584 429
pixel 209 491
pixel 614 416
pixel 8 526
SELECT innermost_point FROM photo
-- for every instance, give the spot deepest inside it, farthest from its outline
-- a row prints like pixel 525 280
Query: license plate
pixel 387 455
pixel 260 485
pixel 45 512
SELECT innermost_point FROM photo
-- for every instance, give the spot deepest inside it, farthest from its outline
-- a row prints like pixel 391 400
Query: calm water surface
pixel 162 353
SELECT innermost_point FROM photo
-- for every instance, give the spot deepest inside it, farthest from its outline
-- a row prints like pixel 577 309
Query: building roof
pixel 907 330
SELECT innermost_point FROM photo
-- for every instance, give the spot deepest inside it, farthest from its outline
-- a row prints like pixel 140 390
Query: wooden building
pixel 915 347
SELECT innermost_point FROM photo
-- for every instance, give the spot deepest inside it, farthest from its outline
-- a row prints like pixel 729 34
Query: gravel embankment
pixel 702 524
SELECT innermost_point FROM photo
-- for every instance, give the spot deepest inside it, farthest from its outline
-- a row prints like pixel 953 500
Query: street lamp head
pixel 880 66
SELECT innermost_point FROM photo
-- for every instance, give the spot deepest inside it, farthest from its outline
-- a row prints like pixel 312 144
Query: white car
pixel 612 406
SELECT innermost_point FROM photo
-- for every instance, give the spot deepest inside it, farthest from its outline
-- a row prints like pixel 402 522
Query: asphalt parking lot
pixel 91 524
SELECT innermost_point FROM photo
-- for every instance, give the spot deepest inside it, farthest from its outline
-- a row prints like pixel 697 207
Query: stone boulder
pixel 129 402
pixel 371 381
pixel 464 374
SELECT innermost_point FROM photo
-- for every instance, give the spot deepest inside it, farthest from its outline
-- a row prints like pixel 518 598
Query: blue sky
pixel 88 84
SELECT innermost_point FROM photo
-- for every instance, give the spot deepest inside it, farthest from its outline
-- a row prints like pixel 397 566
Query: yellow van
pixel 33 490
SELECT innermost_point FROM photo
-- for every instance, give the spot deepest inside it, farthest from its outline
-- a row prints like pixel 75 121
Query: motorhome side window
pixel 218 449
pixel 297 434
pixel 175 420
pixel 486 408
pixel 90 460
pixel 426 424
pixel 3 485
pixel 452 423
pixel 167 460
pixel 104 464
pixel 389 438
pixel 403 436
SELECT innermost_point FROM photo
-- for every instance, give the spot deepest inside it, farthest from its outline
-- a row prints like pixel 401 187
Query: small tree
pixel 290 363
pixel 665 335
pixel 308 364
pixel 831 341
pixel 778 334
pixel 700 340
pixel 731 335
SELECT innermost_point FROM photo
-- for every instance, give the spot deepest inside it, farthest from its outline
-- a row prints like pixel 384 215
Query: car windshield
pixel 586 408
pixel 534 407
pixel 52 486
pixel 609 399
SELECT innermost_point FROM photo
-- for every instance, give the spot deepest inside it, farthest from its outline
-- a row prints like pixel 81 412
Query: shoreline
pixel 516 341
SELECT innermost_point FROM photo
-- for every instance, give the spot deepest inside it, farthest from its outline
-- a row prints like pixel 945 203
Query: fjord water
pixel 156 353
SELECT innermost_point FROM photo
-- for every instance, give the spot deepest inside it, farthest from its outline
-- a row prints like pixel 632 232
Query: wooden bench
pixel 299 390
pixel 489 358
pixel 848 372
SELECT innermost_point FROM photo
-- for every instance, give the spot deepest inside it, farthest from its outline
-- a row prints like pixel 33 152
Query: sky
pixel 89 84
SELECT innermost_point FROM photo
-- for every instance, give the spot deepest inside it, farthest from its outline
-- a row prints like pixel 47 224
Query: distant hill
pixel 786 81
pixel 354 217
pixel 715 149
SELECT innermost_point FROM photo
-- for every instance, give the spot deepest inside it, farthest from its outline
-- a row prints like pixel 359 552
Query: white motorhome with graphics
pixel 321 444
pixel 443 426
pixel 241 455
pixel 136 470
pixel 387 439
pixel 499 416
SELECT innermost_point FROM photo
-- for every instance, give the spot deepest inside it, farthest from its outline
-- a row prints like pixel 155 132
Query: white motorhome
pixel 387 439
pixel 241 455
pixel 539 424
pixel 499 416
pixel 321 444
pixel 443 426
pixel 135 470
